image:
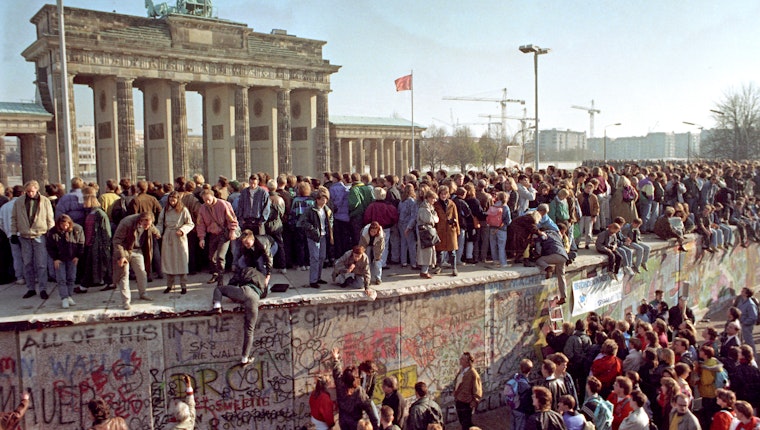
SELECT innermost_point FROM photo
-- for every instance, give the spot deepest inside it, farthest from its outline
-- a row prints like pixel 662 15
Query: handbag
pixel 428 236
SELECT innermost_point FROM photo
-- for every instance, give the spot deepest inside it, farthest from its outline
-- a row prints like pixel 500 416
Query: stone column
pixel 322 134
pixel 34 164
pixel 204 140
pixel 126 129
pixel 373 158
pixel 335 156
pixel 242 138
pixel 399 145
pixel 346 155
pixel 3 164
pixel 284 150
pixel 405 155
pixel 359 155
pixel 180 157
pixel 380 157
pixel 390 157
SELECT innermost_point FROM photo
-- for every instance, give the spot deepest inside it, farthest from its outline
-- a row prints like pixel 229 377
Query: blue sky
pixel 647 64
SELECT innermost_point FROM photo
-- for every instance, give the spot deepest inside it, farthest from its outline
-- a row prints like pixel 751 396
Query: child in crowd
pixel 641 249
pixel 607 244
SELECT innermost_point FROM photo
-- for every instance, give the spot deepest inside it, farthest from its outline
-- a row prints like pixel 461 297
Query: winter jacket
pixel 310 223
pixel 31 228
pixel 378 245
pixel 383 212
pixel 65 245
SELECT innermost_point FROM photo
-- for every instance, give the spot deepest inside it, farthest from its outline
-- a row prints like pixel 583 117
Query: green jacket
pixel 359 197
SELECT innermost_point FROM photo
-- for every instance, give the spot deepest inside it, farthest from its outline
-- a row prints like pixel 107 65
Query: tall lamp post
pixel 536 51
pixel 688 143
pixel 605 137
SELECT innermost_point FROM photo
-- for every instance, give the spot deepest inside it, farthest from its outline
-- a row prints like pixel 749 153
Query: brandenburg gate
pixel 264 96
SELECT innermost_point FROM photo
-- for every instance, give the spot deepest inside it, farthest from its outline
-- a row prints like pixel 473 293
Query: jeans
pixel 375 266
pixel 408 246
pixel 317 256
pixel 484 240
pixel 518 420
pixel 250 300
pixel 121 276
pixel 498 242
pixel 395 245
pixel 653 214
pixel 728 234
pixel 559 268
pixel 641 253
pixel 450 256
pixel 217 246
pixel 18 260
pixel 461 243
pixel 586 226
pixel 645 212
pixel 65 276
pixel 386 246
pixel 35 259
pixel 627 256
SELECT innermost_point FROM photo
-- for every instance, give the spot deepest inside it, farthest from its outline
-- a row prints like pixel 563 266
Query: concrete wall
pixel 135 364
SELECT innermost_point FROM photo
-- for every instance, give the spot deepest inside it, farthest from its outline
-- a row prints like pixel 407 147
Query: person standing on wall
pixel 216 228
pixel 31 219
pixel 468 390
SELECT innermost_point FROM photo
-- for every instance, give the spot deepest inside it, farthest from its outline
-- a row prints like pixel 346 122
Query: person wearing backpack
pixel 725 418
pixel 596 409
pixel 544 418
pixel 517 394
pixel 498 218
pixel 749 316
pixel 638 418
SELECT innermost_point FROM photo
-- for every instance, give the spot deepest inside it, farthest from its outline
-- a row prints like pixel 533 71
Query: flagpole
pixel 413 147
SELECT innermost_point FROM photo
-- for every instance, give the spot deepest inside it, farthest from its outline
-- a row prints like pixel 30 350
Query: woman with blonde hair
pixel 174 223
pixel 94 267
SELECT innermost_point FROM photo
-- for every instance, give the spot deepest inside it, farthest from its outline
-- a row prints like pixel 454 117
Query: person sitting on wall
pixel 352 269
pixel 247 287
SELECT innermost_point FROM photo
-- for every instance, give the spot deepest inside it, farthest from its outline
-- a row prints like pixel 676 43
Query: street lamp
pixel 605 138
pixel 536 51
pixel 688 143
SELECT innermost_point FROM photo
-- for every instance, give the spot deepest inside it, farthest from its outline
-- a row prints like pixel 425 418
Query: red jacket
pixel 384 213
pixel 621 408
pixel 606 369
pixel 322 408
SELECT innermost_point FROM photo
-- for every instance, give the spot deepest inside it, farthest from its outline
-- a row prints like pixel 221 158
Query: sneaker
pixel 404 265
pixel 71 301
pixel 65 303
pixel 44 295
pixel 20 281
pixel 284 271
pixel 217 309
pixel 29 293
pixel 246 360
pixel 304 268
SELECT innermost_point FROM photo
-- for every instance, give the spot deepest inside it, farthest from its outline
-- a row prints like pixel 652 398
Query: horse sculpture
pixel 202 8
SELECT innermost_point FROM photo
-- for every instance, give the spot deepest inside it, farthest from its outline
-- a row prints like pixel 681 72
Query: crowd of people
pixel 650 371
pixel 90 237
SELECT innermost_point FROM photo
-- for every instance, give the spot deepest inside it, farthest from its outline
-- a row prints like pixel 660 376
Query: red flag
pixel 404 83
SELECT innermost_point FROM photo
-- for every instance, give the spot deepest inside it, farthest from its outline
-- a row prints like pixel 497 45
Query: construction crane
pixel 523 129
pixel 502 102
pixel 591 112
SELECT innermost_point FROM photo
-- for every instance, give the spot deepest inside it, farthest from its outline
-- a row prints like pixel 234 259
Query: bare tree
pixel 462 150
pixel 493 151
pixel 737 134
pixel 433 147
